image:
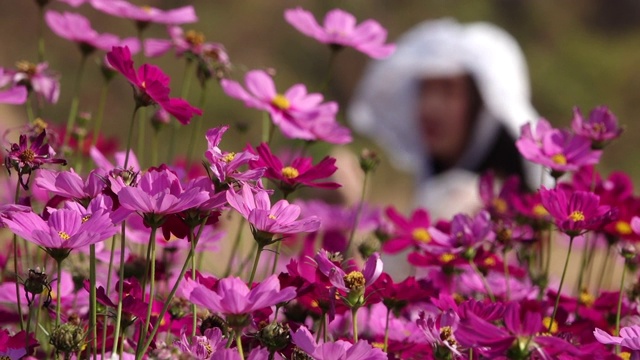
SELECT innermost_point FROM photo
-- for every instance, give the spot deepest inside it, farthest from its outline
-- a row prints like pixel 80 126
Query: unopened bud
pixel 369 160
pixel 67 338
pixel 275 336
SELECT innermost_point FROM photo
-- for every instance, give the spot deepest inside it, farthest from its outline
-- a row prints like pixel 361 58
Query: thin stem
pixel 140 148
pixel 167 302
pixel 129 136
pixel 100 115
pixel 506 274
pixel 266 127
pixel 236 245
pixel 108 288
pixel 327 79
pixel 484 280
pixel 73 113
pixel 154 147
pixel 255 264
pixel 356 219
pixel 197 128
pixel 58 297
pixel 386 331
pixel 187 76
pixel 40 34
pixel 564 272
pixel 29 109
pixel 15 260
pixel 239 344
pixel 194 308
pixel 152 275
pixel 619 312
pixel 354 321
pixel 120 289
pixel 604 267
pixel 275 258
pixel 92 299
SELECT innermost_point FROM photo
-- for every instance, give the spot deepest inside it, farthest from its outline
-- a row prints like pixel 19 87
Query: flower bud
pixel 369 160
pixel 275 336
pixel 68 338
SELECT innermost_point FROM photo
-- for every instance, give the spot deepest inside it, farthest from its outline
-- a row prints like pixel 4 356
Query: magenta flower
pixel 559 150
pixel 69 184
pixel 440 331
pixel 182 42
pixel 466 235
pixel 575 212
pixel 629 337
pixel 151 85
pixel 324 126
pixel 414 230
pixel 232 297
pixel 35 77
pixel 201 347
pixel 13 346
pixel 16 95
pixel 145 14
pixel 338 350
pixel 601 127
pixel 160 193
pixel 340 30
pixel 301 172
pixel 292 111
pixel 24 158
pixel 63 231
pixel 267 220
pixel 77 28
pixel 225 165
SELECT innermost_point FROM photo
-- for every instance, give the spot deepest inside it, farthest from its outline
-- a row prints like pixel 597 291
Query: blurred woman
pixel 448 106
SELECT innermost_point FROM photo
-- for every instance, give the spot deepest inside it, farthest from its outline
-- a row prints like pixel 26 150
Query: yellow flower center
pixel 194 37
pixel 586 298
pixel 281 102
pixel 271 216
pixel 86 218
pixel 446 258
pixel 228 157
pixel 625 355
pixel 63 235
pixel 540 211
pixel 354 280
pixel 500 205
pixel 27 156
pixel 599 128
pixel 290 172
pixel 554 327
pixel 421 235
pixel 576 215
pixel 559 159
pixel 39 125
pixel 623 227
pixel 26 67
pixel 490 261
pixel 378 345
pixel 146 8
pixel 446 334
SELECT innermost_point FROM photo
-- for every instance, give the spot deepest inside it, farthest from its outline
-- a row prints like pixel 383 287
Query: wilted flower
pixel 340 30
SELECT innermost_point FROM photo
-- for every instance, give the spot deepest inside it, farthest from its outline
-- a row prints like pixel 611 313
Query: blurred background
pixel 583 53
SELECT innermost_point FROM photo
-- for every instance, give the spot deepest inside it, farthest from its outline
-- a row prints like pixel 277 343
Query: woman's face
pixel 445 116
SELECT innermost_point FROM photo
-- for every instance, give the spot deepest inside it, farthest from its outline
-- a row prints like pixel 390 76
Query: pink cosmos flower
pixel 159 192
pixel 225 165
pixel 191 41
pixel 602 125
pixel 16 95
pixel 281 218
pixel 35 77
pixel 64 230
pixel 338 350
pixel 629 337
pixel 145 14
pixel 414 230
pixel 151 84
pixel 340 30
pixel 575 212
pixel 556 149
pixel 301 172
pixel 232 296
pixel 13 346
pixel 69 184
pixel 292 112
pixel 77 28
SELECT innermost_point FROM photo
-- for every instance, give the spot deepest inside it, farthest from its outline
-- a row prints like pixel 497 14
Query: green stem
pixel 564 272
pixel 194 308
pixel 386 331
pixel 142 124
pixel 619 312
pixel 58 297
pixel 92 300
pixel 236 245
pixel 27 106
pixel 167 302
pixel 484 280
pixel 197 128
pixel 120 290
pixel 151 263
pixel 184 93
pixel 129 136
pixel 327 79
pixel 40 34
pixel 356 219
pixel 354 320
pixel 506 274
pixel 266 127
pixel 239 344
pixel 275 258
pixel 604 268
pixel 100 115
pixel 255 264
pixel 73 113
pixel 15 260
pixel 108 288
pixel 154 147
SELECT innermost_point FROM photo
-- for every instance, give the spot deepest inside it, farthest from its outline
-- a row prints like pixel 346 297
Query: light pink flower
pixel 339 29
pixel 145 14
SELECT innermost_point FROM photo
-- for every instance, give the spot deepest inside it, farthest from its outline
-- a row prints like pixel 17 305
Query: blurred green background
pixel 580 53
